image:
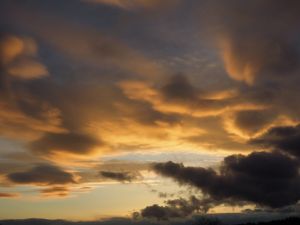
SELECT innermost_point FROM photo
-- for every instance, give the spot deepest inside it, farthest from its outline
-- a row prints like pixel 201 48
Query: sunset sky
pixel 159 109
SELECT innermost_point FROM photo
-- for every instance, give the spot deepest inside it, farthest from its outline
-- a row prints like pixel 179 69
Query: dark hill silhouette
pixel 122 221
pixel 288 221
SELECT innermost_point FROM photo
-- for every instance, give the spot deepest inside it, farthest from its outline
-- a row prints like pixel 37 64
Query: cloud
pixel 8 195
pixel 180 88
pixel 23 115
pixel 255 44
pixel 27 69
pixel 74 143
pixel 92 48
pixel 118 176
pixel 176 208
pixel 42 175
pixel 283 138
pixel 56 191
pixel 263 178
pixel 250 123
pixel 179 96
pixel 83 86
pixel 19 57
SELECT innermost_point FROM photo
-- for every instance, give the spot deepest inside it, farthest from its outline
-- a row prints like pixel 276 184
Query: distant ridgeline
pixel 288 221
pixel 123 221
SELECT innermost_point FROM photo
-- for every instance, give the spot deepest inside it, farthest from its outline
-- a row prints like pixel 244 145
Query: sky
pixel 148 109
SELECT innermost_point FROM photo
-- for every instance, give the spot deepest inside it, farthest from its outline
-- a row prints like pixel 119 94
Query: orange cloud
pixel 247 124
pixel 8 195
pixel 27 69
pixel 199 105
pixel 19 57
pixel 56 191
pixel 238 68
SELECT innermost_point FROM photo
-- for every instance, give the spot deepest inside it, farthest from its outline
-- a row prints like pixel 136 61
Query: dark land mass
pixel 122 221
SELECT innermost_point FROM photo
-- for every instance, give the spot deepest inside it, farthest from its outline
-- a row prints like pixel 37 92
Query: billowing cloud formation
pixel 42 175
pixel 284 138
pixel 268 179
pixel 177 208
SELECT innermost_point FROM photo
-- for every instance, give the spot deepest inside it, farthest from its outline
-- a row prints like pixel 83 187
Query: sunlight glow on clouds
pixel 148 106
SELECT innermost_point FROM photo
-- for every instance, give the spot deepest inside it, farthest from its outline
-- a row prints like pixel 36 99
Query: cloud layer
pixel 83 80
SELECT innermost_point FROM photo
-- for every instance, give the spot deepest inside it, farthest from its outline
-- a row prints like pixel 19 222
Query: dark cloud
pixel 119 176
pixel 252 121
pixel 159 212
pixel 284 138
pixel 179 88
pixel 264 178
pixel 177 208
pixel 75 143
pixel 42 174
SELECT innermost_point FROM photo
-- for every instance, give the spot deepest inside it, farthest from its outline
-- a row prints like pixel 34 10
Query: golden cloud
pixel 19 58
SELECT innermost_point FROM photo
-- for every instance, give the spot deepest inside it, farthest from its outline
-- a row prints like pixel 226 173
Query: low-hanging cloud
pixel 177 208
pixel 263 178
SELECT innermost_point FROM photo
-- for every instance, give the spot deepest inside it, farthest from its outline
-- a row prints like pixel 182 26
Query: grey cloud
pixel 75 143
pixel 177 208
pixel 179 88
pixel 284 138
pixel 42 174
pixel 118 176
pixel 268 179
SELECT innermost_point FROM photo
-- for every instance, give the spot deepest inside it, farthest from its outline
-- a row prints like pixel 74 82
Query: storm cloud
pixel 263 178
pixel 284 138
